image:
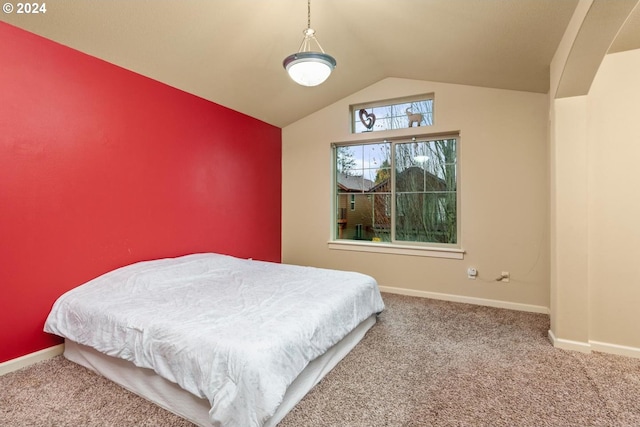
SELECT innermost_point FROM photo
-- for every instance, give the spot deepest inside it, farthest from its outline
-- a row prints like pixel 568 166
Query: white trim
pixel 620 350
pixel 30 359
pixel 588 347
pixel 582 347
pixel 467 300
pixel 431 251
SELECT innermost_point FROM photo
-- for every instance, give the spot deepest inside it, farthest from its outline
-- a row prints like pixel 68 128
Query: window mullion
pixel 392 190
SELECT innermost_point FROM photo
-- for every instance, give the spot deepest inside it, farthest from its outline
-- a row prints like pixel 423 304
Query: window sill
pixel 387 248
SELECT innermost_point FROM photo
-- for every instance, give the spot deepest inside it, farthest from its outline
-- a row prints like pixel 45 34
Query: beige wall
pixel 503 180
pixel 569 263
pixel 568 199
pixel 594 207
pixel 595 211
pixel 614 201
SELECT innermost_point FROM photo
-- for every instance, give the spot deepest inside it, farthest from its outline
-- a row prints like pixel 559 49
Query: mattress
pixel 236 333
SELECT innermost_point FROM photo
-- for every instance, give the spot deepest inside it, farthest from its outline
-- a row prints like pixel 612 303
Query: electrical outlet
pixel 472 273
pixel 505 276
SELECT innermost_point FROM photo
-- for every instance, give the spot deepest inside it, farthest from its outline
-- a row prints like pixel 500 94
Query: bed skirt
pixel 144 382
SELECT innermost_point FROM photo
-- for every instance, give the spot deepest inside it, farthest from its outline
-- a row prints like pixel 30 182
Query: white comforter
pixel 236 332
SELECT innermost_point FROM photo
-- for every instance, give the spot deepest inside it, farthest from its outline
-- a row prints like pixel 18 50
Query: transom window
pixel 405 191
pixel 393 114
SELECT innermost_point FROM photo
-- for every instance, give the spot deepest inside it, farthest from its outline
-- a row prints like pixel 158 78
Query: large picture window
pixel 405 191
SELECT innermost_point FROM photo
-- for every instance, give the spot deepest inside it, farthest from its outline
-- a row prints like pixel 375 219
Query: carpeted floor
pixel 426 363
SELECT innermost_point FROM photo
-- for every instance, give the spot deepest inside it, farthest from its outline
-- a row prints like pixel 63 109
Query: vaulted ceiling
pixel 231 51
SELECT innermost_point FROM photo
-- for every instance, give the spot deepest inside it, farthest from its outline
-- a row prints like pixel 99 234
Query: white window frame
pixel 437 250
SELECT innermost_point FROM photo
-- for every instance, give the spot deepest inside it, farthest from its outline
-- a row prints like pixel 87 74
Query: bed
pixel 218 340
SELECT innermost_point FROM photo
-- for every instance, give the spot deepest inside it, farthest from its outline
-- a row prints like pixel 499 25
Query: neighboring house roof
pixel 412 173
pixel 353 183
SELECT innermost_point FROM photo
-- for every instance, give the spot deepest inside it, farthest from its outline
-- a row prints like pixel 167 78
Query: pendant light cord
pixel 309 34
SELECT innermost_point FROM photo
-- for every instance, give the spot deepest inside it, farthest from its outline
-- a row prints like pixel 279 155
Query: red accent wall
pixel 101 167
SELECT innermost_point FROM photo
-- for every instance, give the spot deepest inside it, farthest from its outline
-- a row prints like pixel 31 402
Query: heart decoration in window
pixel 367 119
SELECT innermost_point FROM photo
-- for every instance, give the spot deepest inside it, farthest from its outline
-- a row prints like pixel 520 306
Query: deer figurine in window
pixel 413 117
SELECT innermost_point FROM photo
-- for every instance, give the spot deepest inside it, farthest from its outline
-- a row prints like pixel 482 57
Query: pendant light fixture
pixel 308 67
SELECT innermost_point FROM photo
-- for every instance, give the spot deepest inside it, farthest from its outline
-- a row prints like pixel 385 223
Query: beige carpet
pixel 426 363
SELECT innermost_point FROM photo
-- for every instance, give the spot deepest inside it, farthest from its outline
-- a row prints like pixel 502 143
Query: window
pixel 406 191
pixel 387 115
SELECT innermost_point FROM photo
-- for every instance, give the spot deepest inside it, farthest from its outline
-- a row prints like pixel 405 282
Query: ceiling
pixel 231 51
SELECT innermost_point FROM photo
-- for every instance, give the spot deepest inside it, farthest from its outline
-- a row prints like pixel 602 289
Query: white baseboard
pixel 620 350
pixel 30 359
pixel 582 347
pixel 588 347
pixel 468 300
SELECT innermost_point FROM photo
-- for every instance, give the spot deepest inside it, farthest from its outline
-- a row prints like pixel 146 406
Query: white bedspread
pixel 236 332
